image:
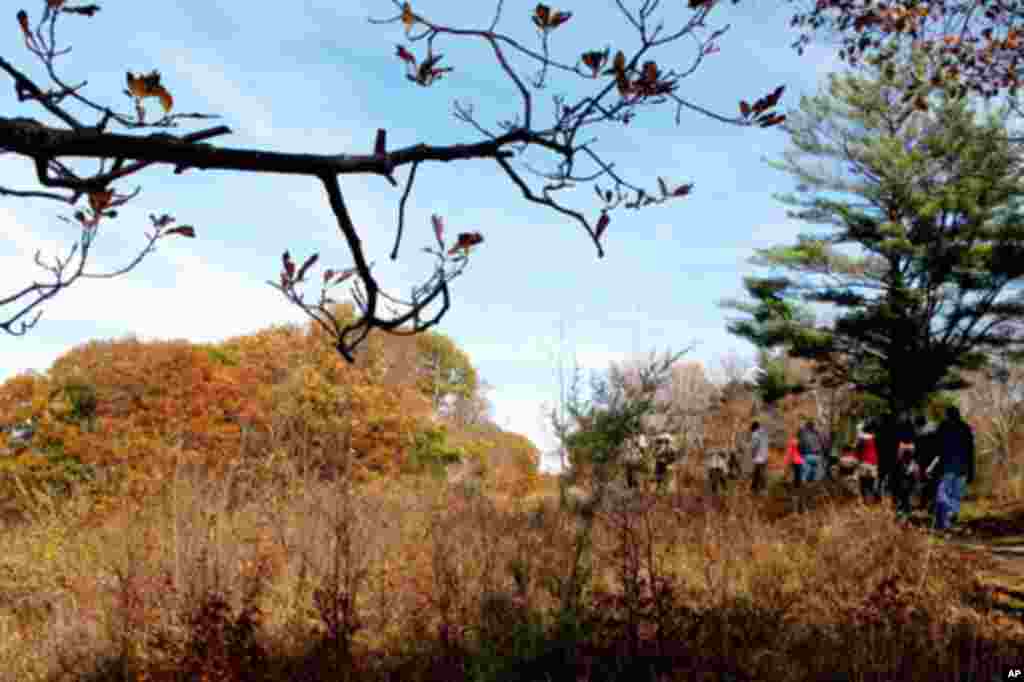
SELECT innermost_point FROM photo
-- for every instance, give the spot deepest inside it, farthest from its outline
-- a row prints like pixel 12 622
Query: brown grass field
pixel 269 573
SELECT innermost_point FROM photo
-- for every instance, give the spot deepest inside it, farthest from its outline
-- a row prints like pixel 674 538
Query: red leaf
pixel 23 22
pixel 380 145
pixel 744 108
pixel 541 15
pixel 289 266
pixel 650 72
pixel 466 240
pixel 618 65
pixel 438 228
pixel 682 190
pixel 773 99
pixel 559 18
pixel 328 273
pixel 544 18
pixel 595 60
pixel 100 200
pixel 406 56
pixel 183 230
pixel 307 265
pixel 769 100
pixel 772 120
pixel 602 224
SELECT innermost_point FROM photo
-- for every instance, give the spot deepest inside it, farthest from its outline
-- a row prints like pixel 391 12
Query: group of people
pixel 887 458
pixel 896 458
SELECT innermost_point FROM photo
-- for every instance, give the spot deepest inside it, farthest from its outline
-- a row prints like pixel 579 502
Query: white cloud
pixel 223 93
pixel 25 354
pixel 522 412
pixel 202 301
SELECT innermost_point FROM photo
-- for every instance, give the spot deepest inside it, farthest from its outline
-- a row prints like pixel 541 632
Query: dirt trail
pixel 1001 536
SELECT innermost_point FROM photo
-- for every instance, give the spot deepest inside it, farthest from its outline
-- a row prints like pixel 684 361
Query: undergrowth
pixel 272 572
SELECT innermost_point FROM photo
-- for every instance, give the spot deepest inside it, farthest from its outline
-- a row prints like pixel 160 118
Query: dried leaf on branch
pixel 408 18
pixel 465 241
pixel 183 230
pixel 545 19
pixel 438 222
pixel 149 85
pixel 595 60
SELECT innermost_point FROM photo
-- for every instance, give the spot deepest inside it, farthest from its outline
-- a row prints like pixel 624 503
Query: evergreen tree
pixel 923 253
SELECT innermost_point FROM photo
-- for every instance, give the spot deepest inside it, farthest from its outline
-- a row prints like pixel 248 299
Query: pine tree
pixel 922 257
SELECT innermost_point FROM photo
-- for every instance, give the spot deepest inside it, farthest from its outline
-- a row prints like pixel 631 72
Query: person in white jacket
pixel 758 455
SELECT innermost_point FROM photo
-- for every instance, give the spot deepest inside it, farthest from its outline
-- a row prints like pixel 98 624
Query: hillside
pixel 132 411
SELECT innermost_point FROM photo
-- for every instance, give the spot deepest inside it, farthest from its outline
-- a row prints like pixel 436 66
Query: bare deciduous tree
pixel 994 403
pixel 595 89
pixel 691 397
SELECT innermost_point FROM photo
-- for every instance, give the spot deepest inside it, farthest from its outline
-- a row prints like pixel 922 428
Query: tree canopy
pixel 973 46
pixel 86 145
pixel 923 255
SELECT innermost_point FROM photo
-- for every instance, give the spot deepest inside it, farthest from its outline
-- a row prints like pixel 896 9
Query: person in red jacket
pixel 794 461
pixel 867 453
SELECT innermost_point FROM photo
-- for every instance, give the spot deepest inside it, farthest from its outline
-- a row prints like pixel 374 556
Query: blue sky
pixel 316 77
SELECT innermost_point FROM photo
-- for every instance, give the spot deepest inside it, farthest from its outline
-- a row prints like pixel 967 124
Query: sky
pixel 317 77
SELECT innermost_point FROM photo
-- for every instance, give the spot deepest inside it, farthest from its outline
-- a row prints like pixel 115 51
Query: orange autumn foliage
pixel 280 389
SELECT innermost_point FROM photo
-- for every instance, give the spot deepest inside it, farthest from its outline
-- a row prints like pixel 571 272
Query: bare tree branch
pixel 570 157
pixel 401 210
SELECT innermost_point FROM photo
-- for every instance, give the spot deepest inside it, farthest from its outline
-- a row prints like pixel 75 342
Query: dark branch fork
pixel 121 155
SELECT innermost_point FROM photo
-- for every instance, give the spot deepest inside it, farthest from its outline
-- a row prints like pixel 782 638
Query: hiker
pixel 809 443
pixel 904 471
pixel 867 453
pixel 848 464
pixel 956 466
pixel 884 430
pixel 794 461
pixel 634 457
pixel 927 453
pixel 663 455
pixel 828 461
pixel 734 468
pixel 758 456
pixel 717 465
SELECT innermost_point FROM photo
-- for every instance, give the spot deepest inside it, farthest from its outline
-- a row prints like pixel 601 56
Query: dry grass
pixel 270 573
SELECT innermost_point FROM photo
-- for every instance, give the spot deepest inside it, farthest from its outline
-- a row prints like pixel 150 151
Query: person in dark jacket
pixel 927 454
pixel 903 471
pixel 886 437
pixel 956 466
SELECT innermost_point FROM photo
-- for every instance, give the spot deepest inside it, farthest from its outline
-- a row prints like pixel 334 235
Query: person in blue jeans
pixel 956 466
pixel 809 443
